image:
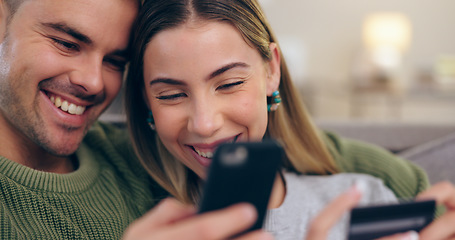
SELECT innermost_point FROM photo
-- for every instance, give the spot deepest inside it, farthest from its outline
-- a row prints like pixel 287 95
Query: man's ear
pixel 273 70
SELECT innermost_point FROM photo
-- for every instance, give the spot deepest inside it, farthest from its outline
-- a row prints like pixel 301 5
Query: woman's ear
pixel 273 70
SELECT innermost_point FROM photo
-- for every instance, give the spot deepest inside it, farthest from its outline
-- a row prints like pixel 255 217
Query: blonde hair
pixel 290 123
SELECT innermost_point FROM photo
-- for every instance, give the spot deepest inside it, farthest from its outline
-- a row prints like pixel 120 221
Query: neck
pixel 38 159
pixel 278 192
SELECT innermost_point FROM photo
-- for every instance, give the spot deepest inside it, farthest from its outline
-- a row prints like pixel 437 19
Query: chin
pixel 63 147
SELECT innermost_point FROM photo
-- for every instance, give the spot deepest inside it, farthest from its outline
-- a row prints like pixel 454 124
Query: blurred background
pixel 375 60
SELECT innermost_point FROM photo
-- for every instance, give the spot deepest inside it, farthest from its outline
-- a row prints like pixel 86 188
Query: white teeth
pixel 204 154
pixel 58 102
pixel 72 108
pixel 64 105
pixel 80 110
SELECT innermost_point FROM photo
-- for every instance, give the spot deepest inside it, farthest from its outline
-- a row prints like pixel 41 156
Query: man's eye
pixel 65 46
pixel 230 85
pixel 172 96
pixel 116 64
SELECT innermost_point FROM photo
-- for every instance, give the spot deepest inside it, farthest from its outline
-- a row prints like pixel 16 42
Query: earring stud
pixel 274 101
pixel 150 121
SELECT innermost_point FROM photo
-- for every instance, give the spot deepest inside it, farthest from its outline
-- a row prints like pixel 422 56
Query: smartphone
pixel 242 172
pixel 380 221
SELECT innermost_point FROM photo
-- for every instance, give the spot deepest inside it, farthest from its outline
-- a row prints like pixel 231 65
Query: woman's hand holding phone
pixel 172 220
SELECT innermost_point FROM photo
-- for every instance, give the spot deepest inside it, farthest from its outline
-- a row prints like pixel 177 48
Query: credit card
pixel 372 222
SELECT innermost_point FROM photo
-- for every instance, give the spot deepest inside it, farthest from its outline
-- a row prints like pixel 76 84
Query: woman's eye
pixel 230 85
pixel 172 96
pixel 66 46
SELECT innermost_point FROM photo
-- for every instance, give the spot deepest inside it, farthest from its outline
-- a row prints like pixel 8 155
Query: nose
pixel 206 118
pixel 89 76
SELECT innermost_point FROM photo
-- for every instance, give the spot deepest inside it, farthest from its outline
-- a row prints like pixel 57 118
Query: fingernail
pixel 411 235
pixel 360 186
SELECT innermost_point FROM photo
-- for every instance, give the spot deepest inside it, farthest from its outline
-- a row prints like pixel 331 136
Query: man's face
pixel 61 65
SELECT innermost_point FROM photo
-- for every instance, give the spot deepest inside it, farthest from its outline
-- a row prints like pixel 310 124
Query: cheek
pixel 169 122
pixel 29 72
pixel 252 113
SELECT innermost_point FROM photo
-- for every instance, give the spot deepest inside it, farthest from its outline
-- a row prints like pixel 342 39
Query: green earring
pixel 274 101
pixel 150 121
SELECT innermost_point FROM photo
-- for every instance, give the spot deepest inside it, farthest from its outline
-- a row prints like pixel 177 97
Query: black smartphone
pixel 242 172
pixel 379 221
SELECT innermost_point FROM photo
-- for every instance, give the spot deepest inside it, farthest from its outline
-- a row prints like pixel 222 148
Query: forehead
pixel 197 49
pixel 200 39
pixel 91 17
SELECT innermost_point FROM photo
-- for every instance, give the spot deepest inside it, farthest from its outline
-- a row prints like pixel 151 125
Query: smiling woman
pixel 241 89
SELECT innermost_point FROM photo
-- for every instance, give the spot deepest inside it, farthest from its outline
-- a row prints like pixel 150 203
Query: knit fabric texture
pixel 97 201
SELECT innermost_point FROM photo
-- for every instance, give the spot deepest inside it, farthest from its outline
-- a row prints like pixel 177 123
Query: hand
pixel 321 225
pixel 441 228
pixel 172 220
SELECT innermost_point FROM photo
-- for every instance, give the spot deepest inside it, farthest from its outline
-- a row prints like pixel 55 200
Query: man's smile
pixel 67 106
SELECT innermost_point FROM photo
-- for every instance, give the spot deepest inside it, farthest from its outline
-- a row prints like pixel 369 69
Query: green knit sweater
pixel 97 201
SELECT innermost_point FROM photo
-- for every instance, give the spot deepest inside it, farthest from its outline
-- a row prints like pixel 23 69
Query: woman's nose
pixel 206 119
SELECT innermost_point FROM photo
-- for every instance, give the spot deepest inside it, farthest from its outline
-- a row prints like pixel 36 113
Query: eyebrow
pixel 217 72
pixel 64 28
pixel 169 81
pixel 227 68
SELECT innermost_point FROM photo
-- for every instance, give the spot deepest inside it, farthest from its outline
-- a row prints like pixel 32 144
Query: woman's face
pixel 205 86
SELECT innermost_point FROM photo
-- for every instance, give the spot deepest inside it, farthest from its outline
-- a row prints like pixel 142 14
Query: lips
pixel 66 105
pixel 207 151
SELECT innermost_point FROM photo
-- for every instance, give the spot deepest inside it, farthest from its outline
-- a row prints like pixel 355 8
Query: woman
pixel 211 72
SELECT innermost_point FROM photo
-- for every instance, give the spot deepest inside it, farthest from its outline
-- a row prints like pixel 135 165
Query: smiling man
pixel 59 72
pixel 61 65
pixel 62 174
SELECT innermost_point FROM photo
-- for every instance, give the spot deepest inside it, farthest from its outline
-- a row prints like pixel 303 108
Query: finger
pixel 328 217
pixel 219 224
pixel 443 192
pixel 441 228
pixel 167 211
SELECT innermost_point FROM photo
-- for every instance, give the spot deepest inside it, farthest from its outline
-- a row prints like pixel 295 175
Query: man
pixel 61 65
